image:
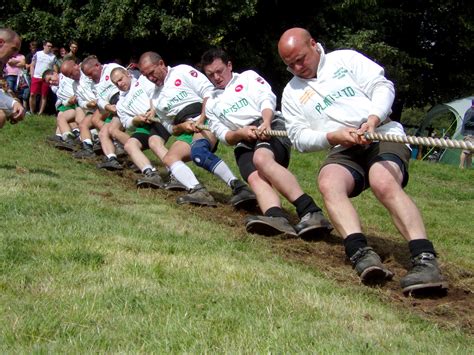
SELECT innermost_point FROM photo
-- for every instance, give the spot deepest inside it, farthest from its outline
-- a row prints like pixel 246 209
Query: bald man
pixel 10 109
pixel 330 102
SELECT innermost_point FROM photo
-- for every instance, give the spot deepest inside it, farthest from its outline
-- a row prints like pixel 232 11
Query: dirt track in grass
pixel 454 309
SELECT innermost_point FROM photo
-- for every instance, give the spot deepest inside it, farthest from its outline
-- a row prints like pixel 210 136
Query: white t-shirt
pixel 105 88
pixel 183 86
pixel 239 104
pixel 348 88
pixel 135 101
pixel 43 62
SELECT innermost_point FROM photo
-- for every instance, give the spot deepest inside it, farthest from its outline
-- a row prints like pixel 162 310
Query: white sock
pixel 222 170
pixel 87 141
pixel 184 174
pixel 148 166
pixel 109 156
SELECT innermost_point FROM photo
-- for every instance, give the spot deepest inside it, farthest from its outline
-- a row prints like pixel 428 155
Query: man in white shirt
pixel 86 101
pixel 104 118
pixel 239 112
pixel 330 102
pixel 69 113
pixel 136 113
pixel 42 61
pixel 179 97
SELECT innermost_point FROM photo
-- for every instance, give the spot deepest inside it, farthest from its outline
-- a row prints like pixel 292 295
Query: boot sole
pixel 175 187
pixel 262 228
pixel 110 168
pixel 245 204
pixel 375 275
pixel 425 289
pixel 148 185
pixel 314 232
pixel 64 147
pixel 179 201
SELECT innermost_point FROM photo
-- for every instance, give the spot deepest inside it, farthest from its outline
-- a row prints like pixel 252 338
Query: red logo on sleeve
pixel 239 88
pixel 193 73
pixel 260 80
pixel 106 77
pixel 177 82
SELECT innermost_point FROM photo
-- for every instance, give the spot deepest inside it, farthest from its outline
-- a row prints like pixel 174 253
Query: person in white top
pixel 329 103
pixel 69 114
pixel 42 61
pixel 105 117
pixel 10 109
pixel 136 112
pixel 86 99
pixel 179 97
pixel 240 110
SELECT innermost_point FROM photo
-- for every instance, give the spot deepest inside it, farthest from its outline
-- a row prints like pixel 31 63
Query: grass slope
pixel 90 264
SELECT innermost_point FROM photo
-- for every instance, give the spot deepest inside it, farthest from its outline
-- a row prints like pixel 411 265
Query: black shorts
pixel 280 146
pixel 155 129
pixel 358 160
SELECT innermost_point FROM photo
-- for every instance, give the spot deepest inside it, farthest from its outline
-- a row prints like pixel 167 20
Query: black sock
pixel 305 204
pixel 275 212
pixel 354 242
pixel 419 246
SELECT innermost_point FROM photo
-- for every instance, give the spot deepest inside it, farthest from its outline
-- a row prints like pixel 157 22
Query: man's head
pixel 153 67
pixel 73 47
pixel 299 51
pixel 10 44
pixel 92 68
pixel 71 69
pixel 47 47
pixel 121 78
pixel 33 46
pixel 216 65
pixel 51 77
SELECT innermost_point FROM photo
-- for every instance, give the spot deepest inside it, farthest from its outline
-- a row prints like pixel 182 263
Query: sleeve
pixel 6 102
pixel 216 127
pixel 199 83
pixel 371 79
pixel 260 91
pixel 302 136
pixel 125 118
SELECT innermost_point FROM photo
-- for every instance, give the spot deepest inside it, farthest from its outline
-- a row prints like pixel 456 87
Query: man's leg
pixel 3 118
pixel 178 153
pixel 336 183
pixel 32 102
pixel 43 101
pixel 110 160
pixel 385 178
pixel 202 155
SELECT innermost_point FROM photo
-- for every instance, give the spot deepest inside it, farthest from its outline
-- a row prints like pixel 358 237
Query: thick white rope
pixel 424 141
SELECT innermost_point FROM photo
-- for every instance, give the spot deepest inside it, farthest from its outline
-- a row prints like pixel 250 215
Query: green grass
pixel 90 264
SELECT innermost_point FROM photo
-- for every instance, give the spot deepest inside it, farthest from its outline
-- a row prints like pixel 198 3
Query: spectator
pixel 465 159
pixel 73 48
pixel 42 61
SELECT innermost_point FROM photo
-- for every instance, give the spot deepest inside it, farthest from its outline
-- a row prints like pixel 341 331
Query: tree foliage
pixel 425 46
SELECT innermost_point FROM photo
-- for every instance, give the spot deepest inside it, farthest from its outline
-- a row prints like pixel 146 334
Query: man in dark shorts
pixel 330 102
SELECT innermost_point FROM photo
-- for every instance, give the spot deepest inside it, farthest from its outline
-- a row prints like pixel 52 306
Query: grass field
pixel 88 263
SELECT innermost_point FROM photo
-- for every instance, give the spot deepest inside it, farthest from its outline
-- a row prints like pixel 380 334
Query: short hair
pixel 89 60
pixel 118 69
pixel 46 73
pixel 8 34
pixel 150 56
pixel 212 54
pixel 73 42
pixel 46 41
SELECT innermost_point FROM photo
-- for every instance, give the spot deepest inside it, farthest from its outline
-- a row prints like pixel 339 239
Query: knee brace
pixel 202 156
